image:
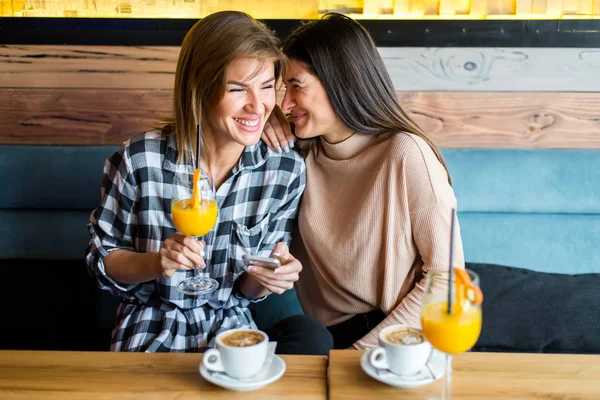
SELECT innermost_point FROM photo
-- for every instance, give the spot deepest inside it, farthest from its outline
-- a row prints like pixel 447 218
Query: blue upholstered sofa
pixel 537 211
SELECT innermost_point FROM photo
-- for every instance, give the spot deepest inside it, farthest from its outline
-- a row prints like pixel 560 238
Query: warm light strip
pixel 291 9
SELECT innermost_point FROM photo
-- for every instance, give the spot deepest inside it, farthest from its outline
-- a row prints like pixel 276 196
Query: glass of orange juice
pixel 456 330
pixel 195 215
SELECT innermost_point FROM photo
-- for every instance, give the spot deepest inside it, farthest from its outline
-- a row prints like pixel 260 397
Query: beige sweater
pixel 375 215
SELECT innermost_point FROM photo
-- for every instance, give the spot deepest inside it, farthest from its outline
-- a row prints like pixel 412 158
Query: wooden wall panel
pixel 411 69
pixel 453 119
pixel 464 97
pixel 493 69
pixel 38 116
pixel 507 119
pixel 90 67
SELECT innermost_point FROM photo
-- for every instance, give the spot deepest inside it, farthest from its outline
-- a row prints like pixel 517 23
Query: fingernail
pixel 202 266
pixel 202 253
pixel 286 148
pixel 279 150
pixel 291 142
pixel 275 271
pixel 252 269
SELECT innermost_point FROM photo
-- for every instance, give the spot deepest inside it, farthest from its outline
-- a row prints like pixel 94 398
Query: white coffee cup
pixel 399 358
pixel 237 361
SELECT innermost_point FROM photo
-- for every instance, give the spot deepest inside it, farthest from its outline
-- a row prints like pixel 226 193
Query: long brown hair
pixel 341 53
pixel 200 79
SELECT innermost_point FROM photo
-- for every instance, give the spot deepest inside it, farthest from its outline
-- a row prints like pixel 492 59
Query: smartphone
pixel 267 262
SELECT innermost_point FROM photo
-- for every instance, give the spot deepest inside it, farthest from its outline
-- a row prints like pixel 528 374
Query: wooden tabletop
pixel 102 375
pixel 479 376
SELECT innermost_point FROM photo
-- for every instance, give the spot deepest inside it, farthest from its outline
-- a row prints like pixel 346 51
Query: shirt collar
pixel 252 157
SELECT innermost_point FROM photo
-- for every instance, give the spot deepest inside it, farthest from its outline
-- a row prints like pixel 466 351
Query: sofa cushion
pixel 545 181
pixel 49 305
pixel 537 241
pixel 529 311
pixel 43 234
pixel 56 305
pixel 537 208
pixel 52 177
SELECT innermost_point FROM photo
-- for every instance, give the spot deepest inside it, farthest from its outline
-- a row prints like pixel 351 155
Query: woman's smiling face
pixel 308 104
pixel 249 98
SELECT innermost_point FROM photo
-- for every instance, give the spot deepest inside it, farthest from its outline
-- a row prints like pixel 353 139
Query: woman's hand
pixel 278 133
pixel 282 278
pixel 179 252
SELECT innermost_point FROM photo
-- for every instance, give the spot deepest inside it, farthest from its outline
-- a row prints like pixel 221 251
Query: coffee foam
pixel 405 336
pixel 242 338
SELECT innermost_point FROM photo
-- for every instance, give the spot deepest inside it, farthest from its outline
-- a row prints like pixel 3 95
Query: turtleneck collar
pixel 348 148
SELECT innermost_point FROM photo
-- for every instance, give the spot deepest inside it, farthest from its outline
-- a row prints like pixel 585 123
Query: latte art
pixel 242 339
pixel 405 336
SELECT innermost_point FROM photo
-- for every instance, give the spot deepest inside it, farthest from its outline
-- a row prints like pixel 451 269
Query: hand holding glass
pixel 195 215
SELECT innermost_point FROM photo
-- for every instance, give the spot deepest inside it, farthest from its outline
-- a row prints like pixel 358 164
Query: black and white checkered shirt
pixel 258 205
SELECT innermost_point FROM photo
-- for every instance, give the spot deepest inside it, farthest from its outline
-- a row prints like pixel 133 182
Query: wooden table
pixel 101 375
pixel 479 376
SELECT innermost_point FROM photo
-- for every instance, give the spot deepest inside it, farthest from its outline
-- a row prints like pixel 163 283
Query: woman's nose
pixel 255 104
pixel 288 102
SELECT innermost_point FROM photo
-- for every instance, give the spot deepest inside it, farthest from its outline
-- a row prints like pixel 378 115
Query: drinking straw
pixel 451 269
pixel 198 135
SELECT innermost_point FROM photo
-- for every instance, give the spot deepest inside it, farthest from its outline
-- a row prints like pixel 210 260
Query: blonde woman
pixel 375 216
pixel 225 81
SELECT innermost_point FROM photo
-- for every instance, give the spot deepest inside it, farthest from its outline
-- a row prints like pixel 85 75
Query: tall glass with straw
pixel 194 210
pixel 451 311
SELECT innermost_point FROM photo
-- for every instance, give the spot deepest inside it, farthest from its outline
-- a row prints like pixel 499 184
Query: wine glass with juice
pixel 454 329
pixel 194 210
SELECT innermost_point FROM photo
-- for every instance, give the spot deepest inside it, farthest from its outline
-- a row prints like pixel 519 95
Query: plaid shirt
pixel 258 206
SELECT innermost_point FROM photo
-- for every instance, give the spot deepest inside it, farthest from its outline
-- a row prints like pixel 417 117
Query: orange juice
pixel 451 333
pixel 194 220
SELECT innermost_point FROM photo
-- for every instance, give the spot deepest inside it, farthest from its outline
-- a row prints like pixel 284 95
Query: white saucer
pixel 268 375
pixel 433 370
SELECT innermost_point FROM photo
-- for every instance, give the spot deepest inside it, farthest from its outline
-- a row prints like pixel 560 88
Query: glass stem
pixel 447 385
pixel 195 265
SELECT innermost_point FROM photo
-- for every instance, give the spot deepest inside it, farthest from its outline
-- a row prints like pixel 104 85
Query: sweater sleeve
pixel 431 200
pixel 432 241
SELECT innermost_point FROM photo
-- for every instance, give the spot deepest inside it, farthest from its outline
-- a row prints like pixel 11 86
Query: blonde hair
pixel 209 47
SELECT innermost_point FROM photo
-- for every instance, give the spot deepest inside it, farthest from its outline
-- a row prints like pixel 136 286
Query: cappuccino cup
pixel 240 353
pixel 402 349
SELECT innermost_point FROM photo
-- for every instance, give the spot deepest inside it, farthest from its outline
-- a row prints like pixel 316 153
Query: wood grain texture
pixel 493 69
pixel 411 69
pixel 479 376
pixel 90 67
pixel 103 375
pixel 79 116
pixel 511 120
pixel 453 119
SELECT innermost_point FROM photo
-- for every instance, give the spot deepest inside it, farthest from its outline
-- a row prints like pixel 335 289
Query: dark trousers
pixel 301 334
pixel 347 332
